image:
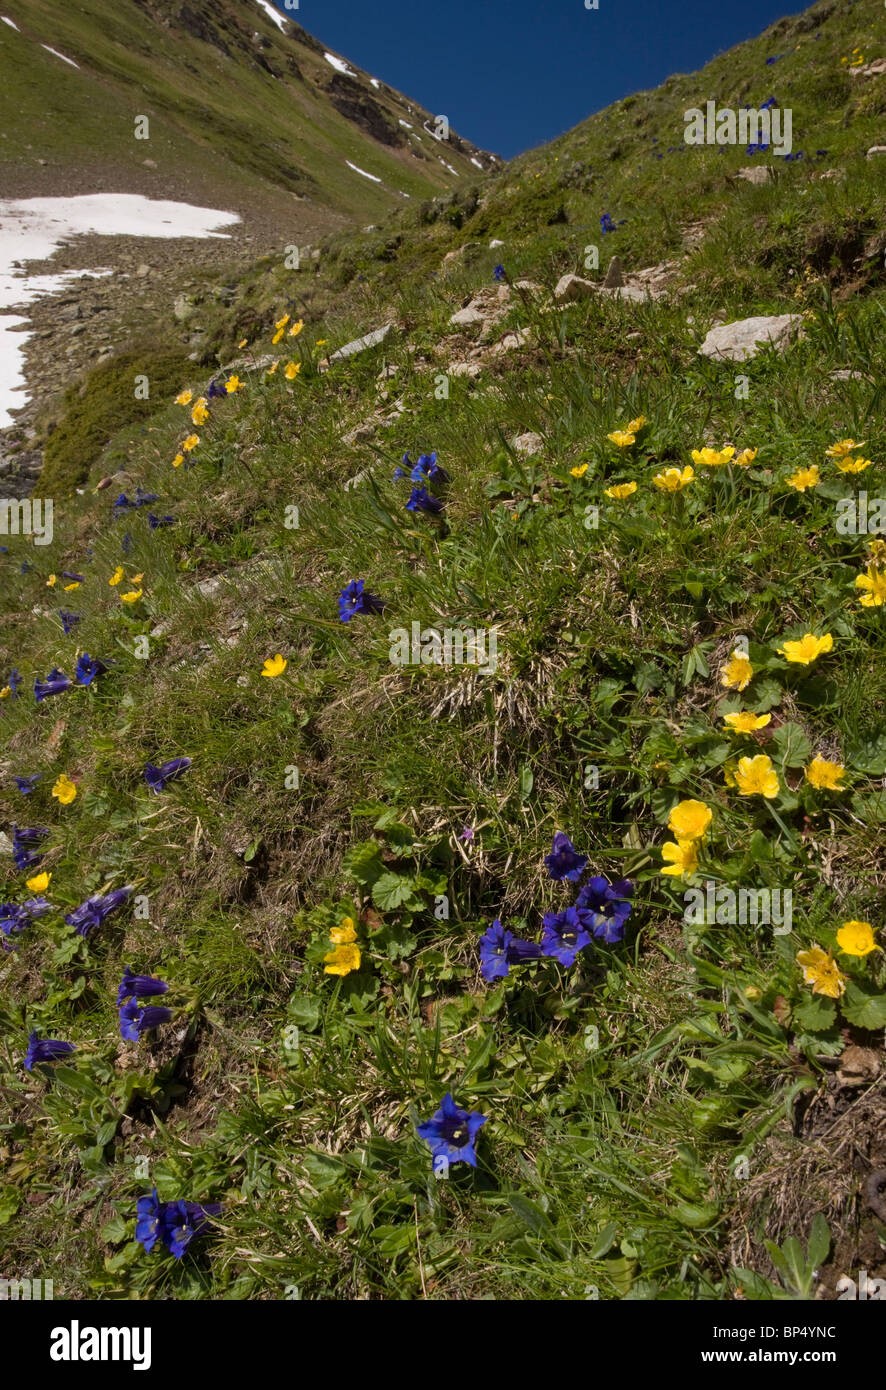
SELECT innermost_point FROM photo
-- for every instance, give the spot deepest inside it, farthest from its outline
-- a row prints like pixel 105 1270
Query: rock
pixel 369 340
pixel 876 149
pixel 183 309
pixel 355 481
pixel 736 342
pixel 829 174
pixel 869 69
pixel 470 369
pixel 635 293
pixel 5 844
pixel 528 286
pixel 142 271
pixel 149 163
pixel 358 435
pixel 755 173
pixel 528 443
pixel 387 372
pixel 495 242
pixel 514 339
pixel 847 374
pixel 614 275
pixel 467 317
pixel 572 287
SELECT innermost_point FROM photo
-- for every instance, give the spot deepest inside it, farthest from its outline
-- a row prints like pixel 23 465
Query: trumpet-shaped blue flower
pixel 157 777
pixel 563 860
pixel 54 684
pixel 91 913
pixel 451 1133
pixel 500 949
pixel 607 906
pixel 45 1050
pixel 356 599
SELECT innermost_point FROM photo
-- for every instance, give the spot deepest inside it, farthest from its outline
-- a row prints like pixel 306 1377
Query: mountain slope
pixel 241 109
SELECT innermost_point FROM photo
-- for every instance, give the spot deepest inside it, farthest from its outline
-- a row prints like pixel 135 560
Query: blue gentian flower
pixel 142 498
pixel 500 273
pixel 94 910
pixel 88 667
pixel 54 684
pixel 355 599
pixel 26 784
pixel 606 223
pixel 23 842
pixel 174 1223
pixel 13 919
pixel 500 949
pixel 23 567
pixel 74 578
pixel 607 905
pixel 216 390
pixel 767 105
pixel 420 500
pixel 69 620
pixel 14 681
pixel 155 521
pixel 565 934
pixel 135 1021
pixel 451 1133
pixel 45 1050
pixel 427 469
pixel 182 1221
pixel 157 777
pixel 563 860
pixel 134 986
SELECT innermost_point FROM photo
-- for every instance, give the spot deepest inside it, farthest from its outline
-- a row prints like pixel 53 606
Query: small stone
pixel 529 443
pixel 755 173
pixel 369 340
pixel 572 287
pixel 876 149
pixel 614 276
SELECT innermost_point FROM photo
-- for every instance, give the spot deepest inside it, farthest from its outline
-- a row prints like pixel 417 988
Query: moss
pixel 98 407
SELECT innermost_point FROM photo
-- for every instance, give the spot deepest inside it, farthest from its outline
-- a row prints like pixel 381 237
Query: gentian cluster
pixel 69 620
pixel 26 784
pixel 88 667
pixel 174 1223
pixel 15 917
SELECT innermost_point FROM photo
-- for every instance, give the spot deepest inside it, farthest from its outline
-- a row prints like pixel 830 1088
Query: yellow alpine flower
pixel 233 384
pixel 580 471
pixel 278 336
pixel 681 857
pixel 807 649
pixel 738 672
pixel 804 478
pixel 242 343
pixel 184 397
pixel 635 426
pixel 342 959
pixel 200 412
pixel 824 775
pixel 622 439
pixel 274 666
pixel 132 596
pixel 853 938
pixel 271 370
pixel 281 323
pixel 296 329
pixel 68 587
pixel 756 777
pixel 116 576
pixel 874 581
pixel 291 370
pixel 821 971
pixel 190 443
pixel 856 465
pixel 621 490
pixel 673 479
pixel 712 458
pixel 178 460
pixel 745 458
pixel 64 790
pixel 689 820
pixel 344 934
pixel 51 581
pixel 844 447
pixel 40 882
pixel 877 552
pixel 744 722
pixel 5 692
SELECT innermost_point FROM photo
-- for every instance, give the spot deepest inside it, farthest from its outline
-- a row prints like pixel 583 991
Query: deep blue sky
pixel 511 74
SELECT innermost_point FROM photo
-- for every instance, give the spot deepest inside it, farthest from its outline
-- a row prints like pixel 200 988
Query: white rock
pixel 528 443
pixel 467 317
pixel 570 287
pixel 736 342
pixel 495 242
pixel 755 173
pixel 876 149
pixel 368 340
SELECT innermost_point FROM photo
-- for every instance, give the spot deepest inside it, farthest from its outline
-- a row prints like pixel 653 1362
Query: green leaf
pixel 10 1201
pixel 863 1007
pixel 113 1231
pixel 304 1010
pixel 527 780
pixel 868 755
pixel 603 1244
pixel 323 1169
pixel 815 1014
pixel 819 1241
pixel 390 891
pixel 794 748
pixel 530 1213
pixel 363 862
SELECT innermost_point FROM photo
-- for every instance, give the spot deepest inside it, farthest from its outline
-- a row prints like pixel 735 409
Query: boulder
pixel 755 173
pixel 572 287
pixel 369 340
pixel 736 342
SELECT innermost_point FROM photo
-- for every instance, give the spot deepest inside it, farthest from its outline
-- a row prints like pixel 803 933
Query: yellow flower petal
pixel 64 790
pixel 274 666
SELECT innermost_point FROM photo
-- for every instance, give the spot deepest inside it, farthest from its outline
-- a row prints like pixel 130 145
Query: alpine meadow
pixel 442 680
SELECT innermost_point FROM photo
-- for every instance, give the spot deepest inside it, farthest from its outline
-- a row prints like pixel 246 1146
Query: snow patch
pixel 406 124
pixel 339 64
pixel 375 82
pixel 10 23
pixel 477 162
pixel 449 167
pixel 56 53
pixel 362 171
pixel 32 229
pixel 273 14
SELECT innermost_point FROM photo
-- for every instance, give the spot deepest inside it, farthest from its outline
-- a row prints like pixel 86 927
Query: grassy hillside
pixel 664 1113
